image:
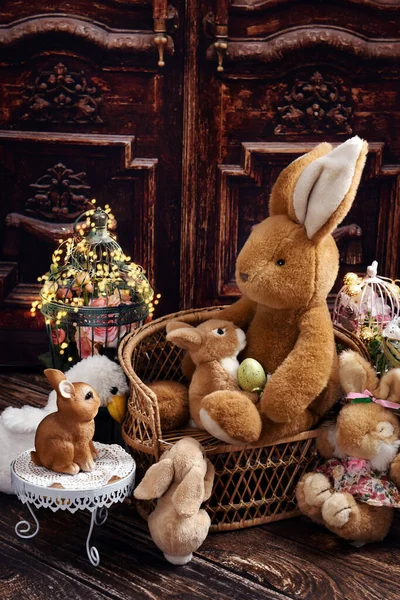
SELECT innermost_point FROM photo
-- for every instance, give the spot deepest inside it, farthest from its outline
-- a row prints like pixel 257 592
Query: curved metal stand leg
pixel 23 528
pixel 99 517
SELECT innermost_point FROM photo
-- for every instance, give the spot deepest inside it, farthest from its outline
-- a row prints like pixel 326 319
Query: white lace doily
pixel 111 481
pixel 111 463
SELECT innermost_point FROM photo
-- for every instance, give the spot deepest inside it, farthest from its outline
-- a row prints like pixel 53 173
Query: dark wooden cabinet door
pixel 86 112
pixel 275 78
pixel 186 153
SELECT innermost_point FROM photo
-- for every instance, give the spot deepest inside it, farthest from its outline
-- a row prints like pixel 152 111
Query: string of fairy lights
pixel 89 269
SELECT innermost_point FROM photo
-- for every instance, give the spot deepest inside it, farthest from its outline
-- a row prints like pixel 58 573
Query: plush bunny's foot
pixel 178 560
pixel 337 510
pixel 87 465
pixel 317 489
pixel 231 417
pixel 72 469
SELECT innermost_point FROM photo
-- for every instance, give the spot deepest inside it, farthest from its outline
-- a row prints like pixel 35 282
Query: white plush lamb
pixel 18 425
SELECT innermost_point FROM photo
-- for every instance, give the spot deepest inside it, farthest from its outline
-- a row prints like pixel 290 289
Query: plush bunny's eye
pixel 88 395
pixel 280 262
pixel 220 331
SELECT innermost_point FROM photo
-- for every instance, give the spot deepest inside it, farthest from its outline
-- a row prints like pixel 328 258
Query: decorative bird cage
pixel 365 306
pixel 93 294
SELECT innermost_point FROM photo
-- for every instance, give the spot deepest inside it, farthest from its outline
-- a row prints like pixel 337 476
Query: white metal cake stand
pixel 111 481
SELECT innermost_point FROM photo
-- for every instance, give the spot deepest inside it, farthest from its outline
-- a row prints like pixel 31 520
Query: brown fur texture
pixel 63 440
pixel 285 277
pixel 173 403
pixel 364 431
pixel 356 374
pixel 182 480
pixel 389 387
pixel 213 347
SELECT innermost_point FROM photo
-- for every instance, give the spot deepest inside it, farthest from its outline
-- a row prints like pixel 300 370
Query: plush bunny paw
pixel 230 417
pixel 87 465
pixel 317 489
pixel 72 469
pixel 336 510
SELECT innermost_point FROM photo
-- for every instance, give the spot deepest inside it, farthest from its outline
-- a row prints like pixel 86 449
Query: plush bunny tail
pixel 178 560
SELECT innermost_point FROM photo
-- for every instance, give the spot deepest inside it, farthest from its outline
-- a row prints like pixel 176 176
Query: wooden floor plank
pixel 300 571
pixel 22 579
pixel 131 566
pixel 293 559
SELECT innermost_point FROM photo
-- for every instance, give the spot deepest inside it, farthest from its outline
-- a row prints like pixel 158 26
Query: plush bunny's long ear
pixel 317 190
pixel 188 496
pixel 156 481
pixel 186 337
pixel 54 377
pixel 281 200
pixel 325 190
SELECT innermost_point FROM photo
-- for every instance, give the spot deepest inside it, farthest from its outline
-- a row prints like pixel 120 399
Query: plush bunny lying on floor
pixel 18 425
pixel 182 480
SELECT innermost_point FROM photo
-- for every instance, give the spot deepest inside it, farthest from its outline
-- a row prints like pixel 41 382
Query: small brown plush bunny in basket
pixel 213 346
pixel 63 439
pixel 182 480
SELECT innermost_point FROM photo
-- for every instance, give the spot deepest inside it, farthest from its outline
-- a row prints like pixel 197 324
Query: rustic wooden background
pixel 185 154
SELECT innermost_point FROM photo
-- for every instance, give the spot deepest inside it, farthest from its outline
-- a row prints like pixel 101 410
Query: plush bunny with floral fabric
pixel 355 492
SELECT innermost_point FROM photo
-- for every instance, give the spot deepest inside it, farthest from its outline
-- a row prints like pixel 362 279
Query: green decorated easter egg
pixel 251 375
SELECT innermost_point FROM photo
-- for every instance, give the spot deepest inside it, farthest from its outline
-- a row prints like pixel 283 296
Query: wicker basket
pixel 253 485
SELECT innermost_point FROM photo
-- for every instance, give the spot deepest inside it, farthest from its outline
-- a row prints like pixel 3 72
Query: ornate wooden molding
pixel 60 195
pixel 62 96
pixel 258 5
pixel 278 46
pixel 142 171
pixel 315 105
pixel 250 172
pixel 99 35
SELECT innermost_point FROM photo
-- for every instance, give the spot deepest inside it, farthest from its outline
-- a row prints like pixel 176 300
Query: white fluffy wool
pixel 18 425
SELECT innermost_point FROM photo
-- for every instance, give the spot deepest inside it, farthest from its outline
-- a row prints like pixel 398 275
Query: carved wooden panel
pixel 242 201
pixel 90 106
pixel 315 104
pixel 62 96
pixel 279 77
pixel 215 97
pixel 31 225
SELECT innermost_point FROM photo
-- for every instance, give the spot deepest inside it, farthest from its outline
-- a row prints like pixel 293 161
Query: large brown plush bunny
pixel 285 271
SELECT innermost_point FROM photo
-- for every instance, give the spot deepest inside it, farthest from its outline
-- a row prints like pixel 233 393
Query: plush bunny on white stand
pixel 18 425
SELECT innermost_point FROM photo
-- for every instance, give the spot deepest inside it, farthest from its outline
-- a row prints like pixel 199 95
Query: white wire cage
pixel 365 306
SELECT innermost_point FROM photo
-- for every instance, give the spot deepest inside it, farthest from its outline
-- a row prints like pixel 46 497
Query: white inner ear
pixel 66 389
pixel 323 185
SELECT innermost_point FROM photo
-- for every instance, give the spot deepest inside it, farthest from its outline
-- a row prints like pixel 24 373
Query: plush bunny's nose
pixel 244 276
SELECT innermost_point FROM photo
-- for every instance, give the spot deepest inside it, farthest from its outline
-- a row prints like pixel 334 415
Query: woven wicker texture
pixel 253 485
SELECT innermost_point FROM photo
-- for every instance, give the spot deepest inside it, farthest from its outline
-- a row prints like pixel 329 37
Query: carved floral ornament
pixel 62 96
pixel 315 105
pixel 59 195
